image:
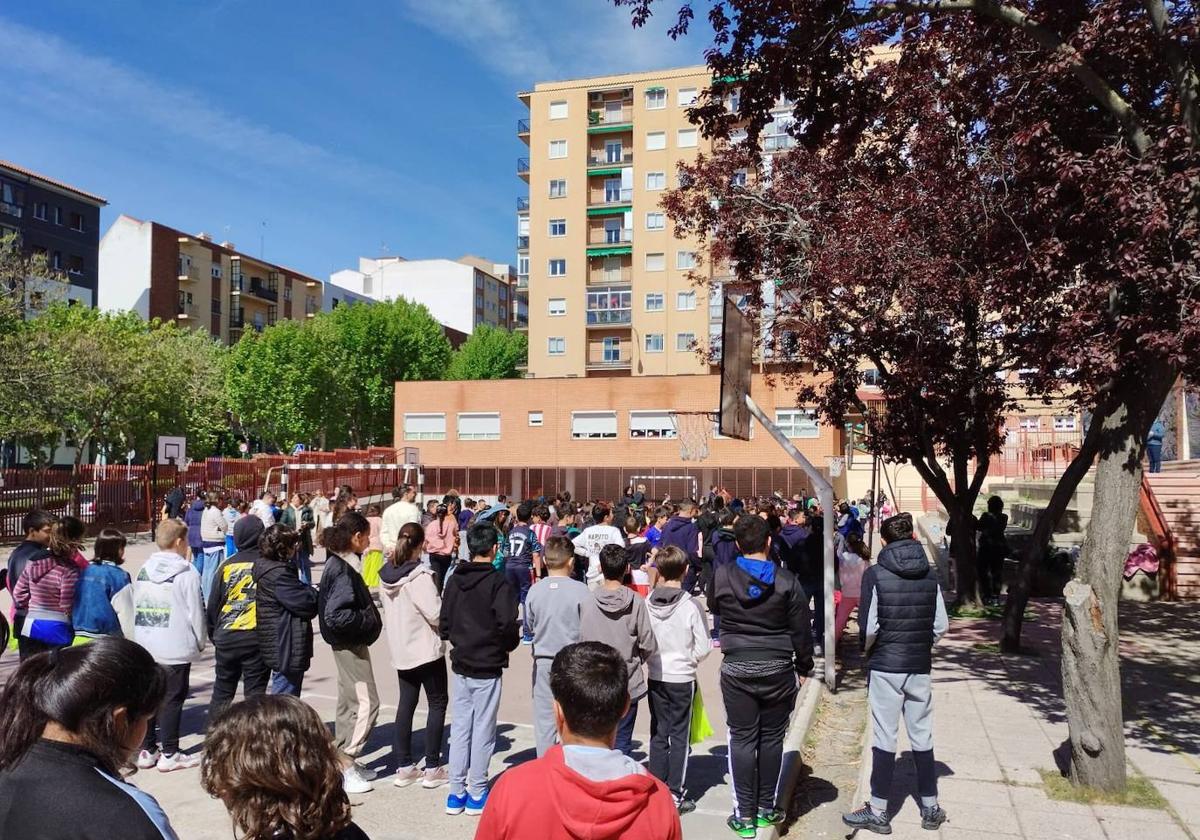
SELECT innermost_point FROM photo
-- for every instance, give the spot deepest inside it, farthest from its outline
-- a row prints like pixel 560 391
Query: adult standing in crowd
pixel 400 512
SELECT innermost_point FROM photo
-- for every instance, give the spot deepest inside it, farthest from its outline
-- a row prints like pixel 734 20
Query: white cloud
pixel 97 90
pixel 542 40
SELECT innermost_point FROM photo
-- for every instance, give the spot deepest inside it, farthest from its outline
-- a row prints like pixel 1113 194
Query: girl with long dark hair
pixel 441 541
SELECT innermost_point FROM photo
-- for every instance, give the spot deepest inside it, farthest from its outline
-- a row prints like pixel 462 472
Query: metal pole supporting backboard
pixel 825 495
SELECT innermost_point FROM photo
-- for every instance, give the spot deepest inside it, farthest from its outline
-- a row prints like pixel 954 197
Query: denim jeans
pixel 304 565
pixel 282 683
pixel 624 742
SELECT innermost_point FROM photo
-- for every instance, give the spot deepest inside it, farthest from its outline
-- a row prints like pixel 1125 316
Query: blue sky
pixel 350 129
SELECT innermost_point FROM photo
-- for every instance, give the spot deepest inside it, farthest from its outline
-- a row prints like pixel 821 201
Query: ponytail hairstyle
pixel 80 688
pixel 408 542
pixel 337 539
pixel 109 545
pixel 856 544
pixel 66 537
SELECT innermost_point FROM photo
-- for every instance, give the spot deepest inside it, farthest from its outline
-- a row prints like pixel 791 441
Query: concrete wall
pixel 125 267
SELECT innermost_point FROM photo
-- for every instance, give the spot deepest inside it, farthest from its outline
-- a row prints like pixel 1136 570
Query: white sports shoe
pixel 365 771
pixel 353 782
pixel 178 761
pixel 147 759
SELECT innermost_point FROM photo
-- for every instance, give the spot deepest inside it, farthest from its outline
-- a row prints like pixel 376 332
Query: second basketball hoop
pixel 693 428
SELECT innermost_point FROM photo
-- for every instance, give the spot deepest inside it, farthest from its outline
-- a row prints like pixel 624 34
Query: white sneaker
pixel 434 778
pixel 365 771
pixel 406 776
pixel 353 782
pixel 177 761
pixel 147 759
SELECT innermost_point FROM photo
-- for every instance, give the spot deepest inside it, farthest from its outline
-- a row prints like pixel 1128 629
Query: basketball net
pixel 693 428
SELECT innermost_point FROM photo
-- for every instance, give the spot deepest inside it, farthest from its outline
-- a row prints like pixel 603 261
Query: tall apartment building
pixel 607 284
pixel 58 221
pixel 461 294
pixel 164 273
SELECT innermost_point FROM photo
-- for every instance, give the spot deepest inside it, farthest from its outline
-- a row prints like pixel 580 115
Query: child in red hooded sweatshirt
pixel 582 788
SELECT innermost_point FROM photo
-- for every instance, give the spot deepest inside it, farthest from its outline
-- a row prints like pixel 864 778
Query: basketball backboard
pixel 737 359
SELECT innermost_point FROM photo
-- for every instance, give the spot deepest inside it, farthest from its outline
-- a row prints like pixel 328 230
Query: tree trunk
pixel 1091 667
pixel 962 546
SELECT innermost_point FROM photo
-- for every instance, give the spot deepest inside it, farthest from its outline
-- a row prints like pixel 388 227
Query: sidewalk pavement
pixel 998 720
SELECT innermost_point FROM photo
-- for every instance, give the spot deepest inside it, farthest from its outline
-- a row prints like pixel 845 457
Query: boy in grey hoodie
pixel 618 617
pixel 552 610
pixel 169 622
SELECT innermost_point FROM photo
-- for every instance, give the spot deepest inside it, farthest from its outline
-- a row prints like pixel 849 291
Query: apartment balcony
pixel 311 308
pixel 185 311
pixel 603 163
pixel 237 319
pixel 610 120
pixel 263 291
pixel 189 275
pixel 216 307
pixel 522 281
pixel 522 243
pixel 523 168
pixel 610 236
pixel 608 276
pixel 522 204
pixel 14 210
pixel 618 363
pixel 603 199
pixel 609 317
pixel 523 129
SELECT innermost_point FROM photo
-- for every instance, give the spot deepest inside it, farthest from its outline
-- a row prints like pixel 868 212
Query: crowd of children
pixel 554 574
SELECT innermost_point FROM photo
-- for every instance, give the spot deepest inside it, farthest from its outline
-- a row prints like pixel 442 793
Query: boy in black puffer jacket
pixel 902 615
pixel 284 609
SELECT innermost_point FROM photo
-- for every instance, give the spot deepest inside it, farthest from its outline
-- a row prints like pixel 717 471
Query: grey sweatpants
pixel 545 734
pixel 357 699
pixel 889 696
pixel 474 704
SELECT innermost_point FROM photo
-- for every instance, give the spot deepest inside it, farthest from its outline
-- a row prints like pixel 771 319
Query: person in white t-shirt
pixel 264 509
pixel 594 538
pixel 398 514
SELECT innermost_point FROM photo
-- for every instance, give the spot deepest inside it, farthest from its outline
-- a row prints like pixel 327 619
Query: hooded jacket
pixel 791 547
pixel 284 608
pixel 411 608
pixel 45 595
pixel 347 615
pixel 479 619
pixel 194 519
pixel 904 610
pixel 680 628
pixel 573 794
pixel 26 552
pixel 619 618
pixel 232 608
pixel 724 547
pixel 168 611
pixel 764 614
pixel 681 531
pixel 103 601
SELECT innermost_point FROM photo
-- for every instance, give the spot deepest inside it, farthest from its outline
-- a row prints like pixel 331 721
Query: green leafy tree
pixel 490 353
pixel 368 349
pixel 277 384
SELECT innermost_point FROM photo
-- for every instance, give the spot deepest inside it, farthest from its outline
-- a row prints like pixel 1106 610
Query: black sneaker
pixel 684 805
pixel 865 817
pixel 769 816
pixel 932 818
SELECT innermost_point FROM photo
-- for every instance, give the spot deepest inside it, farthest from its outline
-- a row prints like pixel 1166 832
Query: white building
pixel 461 294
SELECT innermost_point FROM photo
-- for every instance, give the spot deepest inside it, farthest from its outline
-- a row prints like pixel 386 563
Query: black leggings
pixel 432 677
pixel 440 564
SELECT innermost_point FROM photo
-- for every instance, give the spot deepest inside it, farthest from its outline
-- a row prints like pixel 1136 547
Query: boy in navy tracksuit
pixel 522 557
pixel 681 531
pixel 905 615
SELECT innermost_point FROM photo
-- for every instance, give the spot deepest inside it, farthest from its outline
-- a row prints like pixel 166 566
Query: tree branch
pixel 1186 81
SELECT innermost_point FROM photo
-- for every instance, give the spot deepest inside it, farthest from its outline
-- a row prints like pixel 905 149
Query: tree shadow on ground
pixel 904 783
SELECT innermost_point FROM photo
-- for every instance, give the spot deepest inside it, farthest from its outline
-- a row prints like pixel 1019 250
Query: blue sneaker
pixel 475 806
pixel 527 640
pixel 455 804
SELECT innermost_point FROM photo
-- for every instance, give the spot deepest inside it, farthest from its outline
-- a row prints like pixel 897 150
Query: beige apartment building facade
pixel 160 272
pixel 610 290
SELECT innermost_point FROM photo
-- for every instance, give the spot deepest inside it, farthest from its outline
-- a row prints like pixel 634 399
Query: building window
pixel 654 342
pixel 523 266
pixel 656 140
pixel 651 424
pixel 687 97
pixel 535 418
pixel 656 221
pixel 1031 424
pixel 870 378
pixel 558 110
pixel 479 426
pixel 1065 423
pixel 656 99
pixel 656 262
pixel 424 426
pixel 685 260
pixel 612 349
pixel 215 272
pixel 654 301
pixel 558 149
pixel 56 261
pixel 685 341
pixel 685 301
pixel 739 178
pixel 686 138
pixel 58 215
pixel 558 227
pixel 592 425
pixel 556 346
pixel 77 222
pixel 656 180
pixel 287 291
pixel 798 422
pixel 41 210
pixel 558 187
pixel 557 306
pixel 74 265
pixel 558 268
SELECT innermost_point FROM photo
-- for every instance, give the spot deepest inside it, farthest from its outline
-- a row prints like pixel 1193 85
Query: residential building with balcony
pixel 461 294
pixel 160 272
pixel 57 221
pixel 609 289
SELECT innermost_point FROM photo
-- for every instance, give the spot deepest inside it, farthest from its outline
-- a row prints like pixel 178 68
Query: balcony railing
pixel 522 203
pixel 609 317
pixel 189 275
pixel 16 210
pixel 610 236
pixel 522 243
pixel 608 363
pixel 311 308
pixel 237 319
pixel 601 158
pixel 522 281
pixel 261 290
pixel 523 166
pixel 185 311
pixel 604 116
pixel 608 276
pixel 523 126
pixel 605 198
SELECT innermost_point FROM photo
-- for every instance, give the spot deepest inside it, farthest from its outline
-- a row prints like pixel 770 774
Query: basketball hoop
pixel 693 428
pixel 836 465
